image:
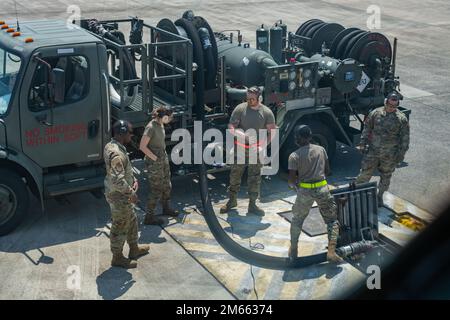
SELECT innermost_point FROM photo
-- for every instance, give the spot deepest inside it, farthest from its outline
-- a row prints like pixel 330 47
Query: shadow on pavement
pixel 244 226
pixel 113 283
pixel 80 216
pixel 327 269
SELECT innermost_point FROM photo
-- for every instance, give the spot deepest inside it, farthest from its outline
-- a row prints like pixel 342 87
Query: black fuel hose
pixel 236 250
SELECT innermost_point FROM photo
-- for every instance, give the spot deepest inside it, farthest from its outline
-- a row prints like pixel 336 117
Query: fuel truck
pixel 63 85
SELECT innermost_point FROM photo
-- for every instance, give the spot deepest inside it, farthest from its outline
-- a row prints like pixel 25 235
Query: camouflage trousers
pixel 124 222
pixel 327 208
pixel 242 162
pixel 384 162
pixel 158 174
pixel 253 179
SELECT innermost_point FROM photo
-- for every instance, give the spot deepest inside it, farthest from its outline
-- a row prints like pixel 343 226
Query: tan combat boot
pixel 119 260
pixel 167 210
pixel 253 208
pixel 231 203
pixel 152 219
pixel 293 252
pixel 332 257
pixel 137 251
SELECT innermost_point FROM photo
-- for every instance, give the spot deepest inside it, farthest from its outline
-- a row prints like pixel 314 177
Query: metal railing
pixel 148 85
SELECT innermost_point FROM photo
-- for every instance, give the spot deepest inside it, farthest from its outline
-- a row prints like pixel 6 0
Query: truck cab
pixel 54 113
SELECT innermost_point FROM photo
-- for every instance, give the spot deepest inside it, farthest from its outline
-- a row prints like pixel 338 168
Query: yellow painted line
pixel 282 226
pixel 199 220
pixel 232 273
pixel 399 234
pixel 194 246
pixel 322 288
pixel 229 273
pixel 289 290
pixel 191 246
pixel 398 205
pixel 304 248
pixel 273 247
pixel 411 222
pixel 209 248
pixel 269 207
pixel 190 233
pixel 207 235
pixel 279 245
pixel 262 284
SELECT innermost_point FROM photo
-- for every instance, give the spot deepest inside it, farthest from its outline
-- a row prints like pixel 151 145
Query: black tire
pixel 14 201
pixel 322 135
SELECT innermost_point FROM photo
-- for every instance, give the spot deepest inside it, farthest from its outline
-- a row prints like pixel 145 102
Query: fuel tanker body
pixel 245 65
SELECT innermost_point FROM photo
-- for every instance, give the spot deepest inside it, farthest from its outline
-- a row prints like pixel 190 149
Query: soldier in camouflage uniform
pixel 307 168
pixel 153 145
pixel 248 115
pixel 384 142
pixel 120 192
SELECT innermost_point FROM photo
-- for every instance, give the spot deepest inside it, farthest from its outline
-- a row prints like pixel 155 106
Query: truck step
pixel 76 185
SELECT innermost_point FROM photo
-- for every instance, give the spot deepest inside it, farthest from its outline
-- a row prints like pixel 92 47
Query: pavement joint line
pixel 193 257
pixel 428 105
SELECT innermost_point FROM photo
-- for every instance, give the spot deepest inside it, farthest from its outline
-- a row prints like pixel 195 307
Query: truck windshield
pixel 9 69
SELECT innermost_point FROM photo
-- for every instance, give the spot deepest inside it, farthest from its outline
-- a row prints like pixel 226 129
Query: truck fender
pixel 292 118
pixel 27 169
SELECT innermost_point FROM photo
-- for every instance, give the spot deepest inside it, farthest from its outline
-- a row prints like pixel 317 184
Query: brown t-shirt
pixel 309 161
pixel 157 136
pixel 245 118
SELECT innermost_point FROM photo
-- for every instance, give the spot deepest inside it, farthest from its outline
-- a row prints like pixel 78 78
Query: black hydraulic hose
pixel 239 252
pixel 233 248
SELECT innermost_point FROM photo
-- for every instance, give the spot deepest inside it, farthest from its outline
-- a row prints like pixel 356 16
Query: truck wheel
pixel 322 136
pixel 14 201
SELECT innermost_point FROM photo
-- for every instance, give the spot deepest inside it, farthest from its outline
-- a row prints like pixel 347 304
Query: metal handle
pixel 93 128
pixel 42 119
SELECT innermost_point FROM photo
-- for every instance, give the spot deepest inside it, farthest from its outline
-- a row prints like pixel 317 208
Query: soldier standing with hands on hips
pixel 384 142
pixel 153 145
pixel 120 192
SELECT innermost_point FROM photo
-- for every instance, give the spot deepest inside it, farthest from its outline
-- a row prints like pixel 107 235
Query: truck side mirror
pixel 59 85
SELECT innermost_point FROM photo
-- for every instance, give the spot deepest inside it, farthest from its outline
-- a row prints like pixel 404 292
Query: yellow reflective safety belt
pixel 313 185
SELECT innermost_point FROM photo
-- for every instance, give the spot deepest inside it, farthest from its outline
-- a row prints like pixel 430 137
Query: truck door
pixel 70 131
